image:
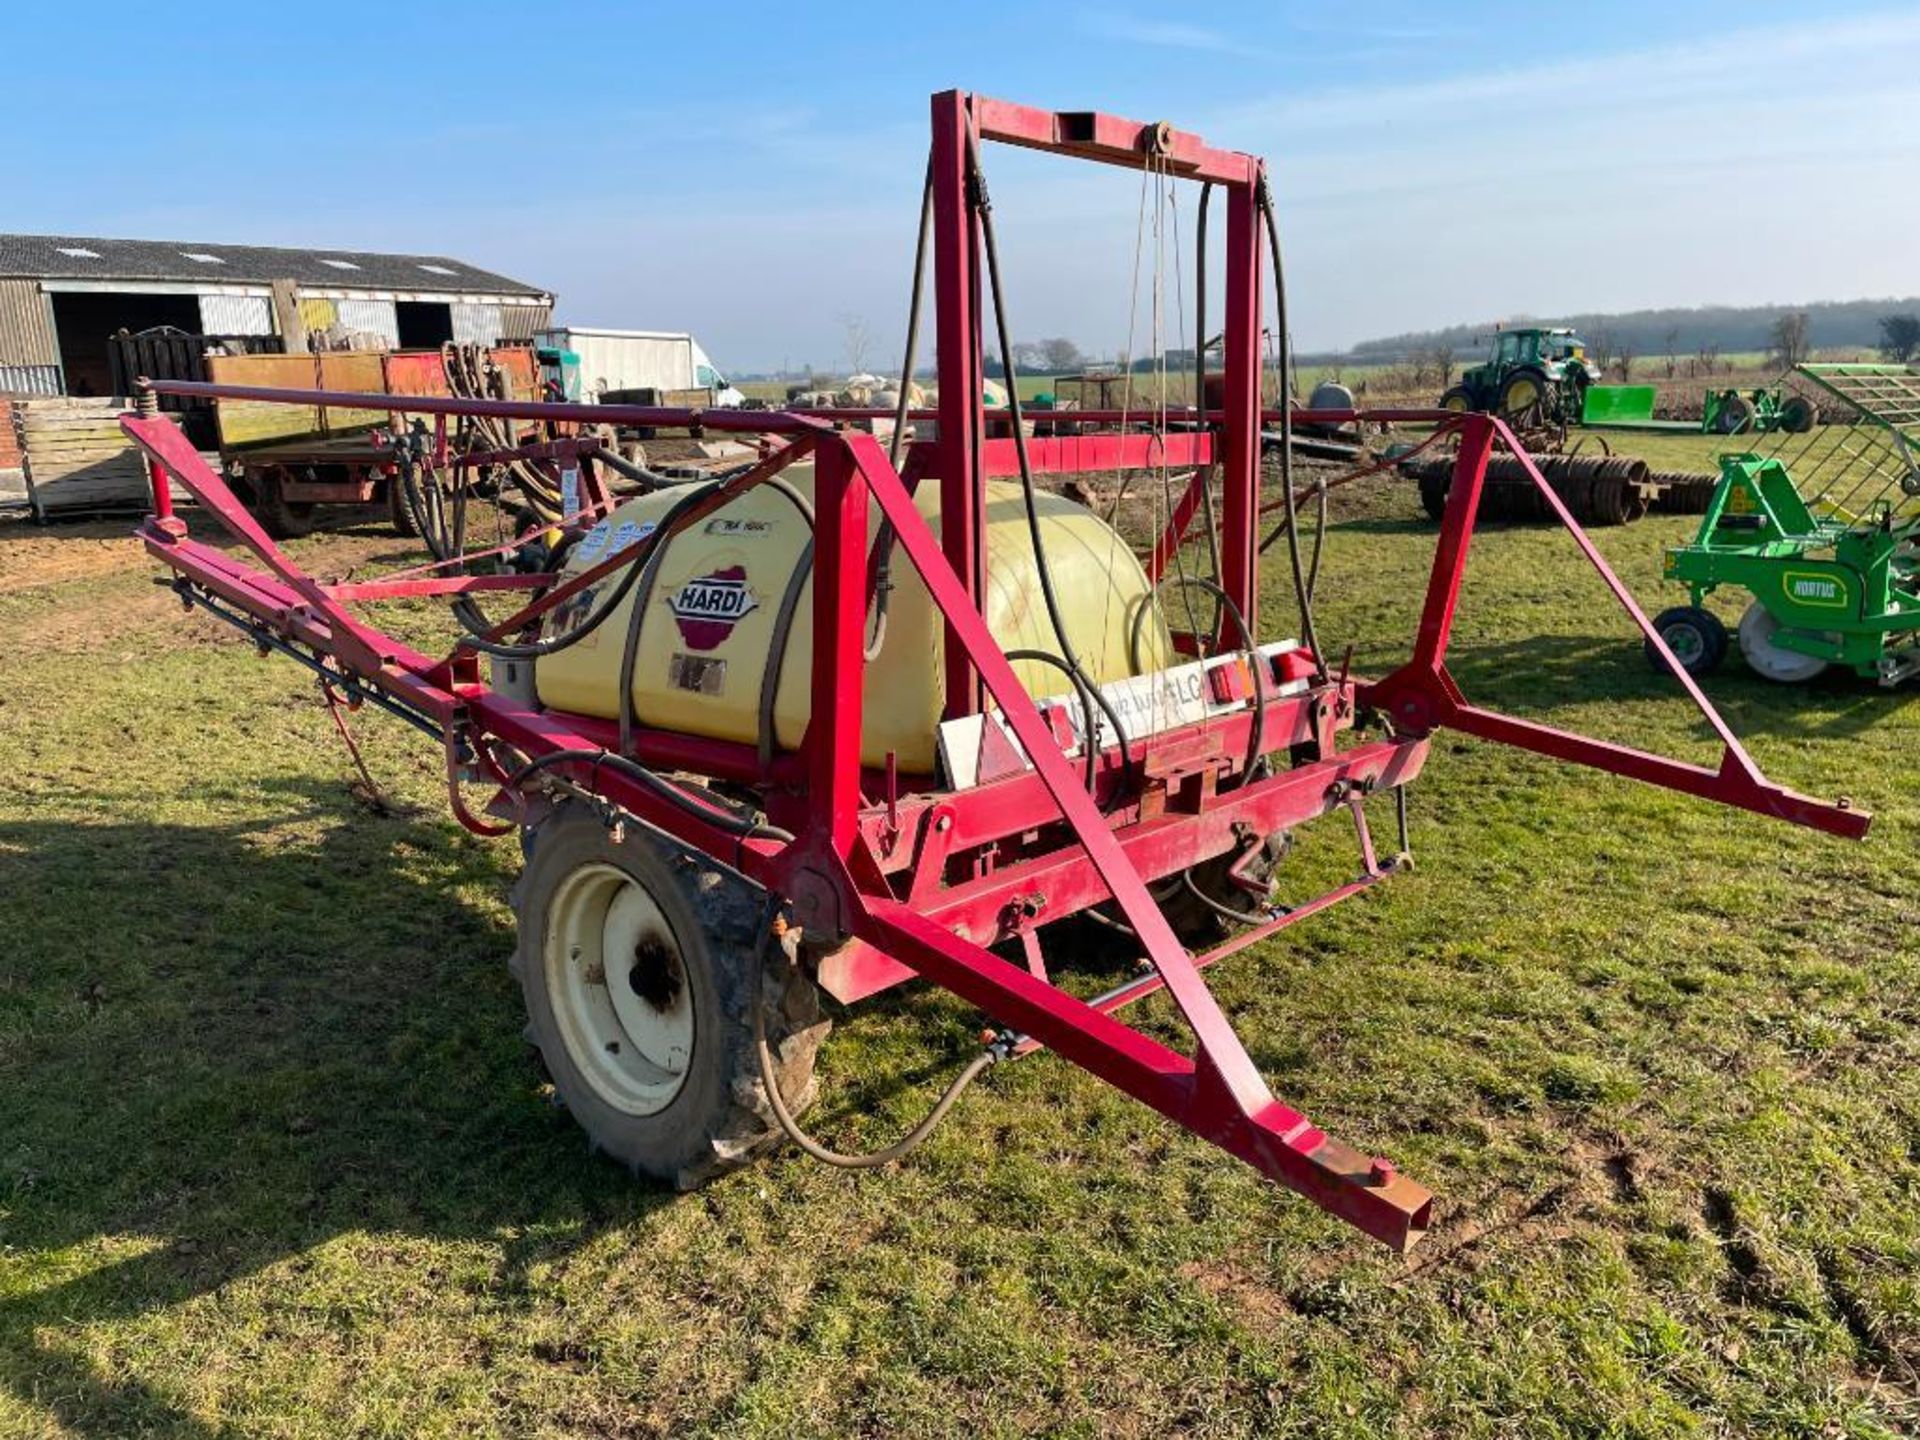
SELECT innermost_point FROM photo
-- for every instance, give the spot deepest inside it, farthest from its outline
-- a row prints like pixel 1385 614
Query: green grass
pixel 274 1162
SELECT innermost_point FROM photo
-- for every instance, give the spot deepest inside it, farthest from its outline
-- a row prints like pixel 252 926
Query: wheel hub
pixel 1685 642
pixel 618 985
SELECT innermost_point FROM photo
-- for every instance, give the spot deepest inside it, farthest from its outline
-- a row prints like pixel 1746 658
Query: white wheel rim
pixel 619 989
pixel 1771 661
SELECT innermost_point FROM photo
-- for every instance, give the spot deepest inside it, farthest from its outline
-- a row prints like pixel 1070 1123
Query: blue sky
pixel 751 172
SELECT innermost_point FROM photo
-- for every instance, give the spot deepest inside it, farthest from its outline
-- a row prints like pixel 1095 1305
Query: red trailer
pixel 686 898
pixel 289 461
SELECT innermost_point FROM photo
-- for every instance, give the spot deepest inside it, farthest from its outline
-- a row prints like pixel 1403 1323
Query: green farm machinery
pixel 1534 377
pixel 1826 539
pixel 1759 411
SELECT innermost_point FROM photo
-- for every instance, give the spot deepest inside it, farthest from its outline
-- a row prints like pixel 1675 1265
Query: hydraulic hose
pixel 1089 697
pixel 882 566
pixel 770 1082
pixel 553 644
pixel 1042 568
pixel 1302 591
pixel 711 813
pixel 1256 732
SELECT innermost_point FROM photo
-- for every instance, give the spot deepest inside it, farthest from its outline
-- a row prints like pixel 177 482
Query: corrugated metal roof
pixel 65 257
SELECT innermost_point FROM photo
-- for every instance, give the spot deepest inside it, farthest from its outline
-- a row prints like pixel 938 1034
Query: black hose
pixel 1302 594
pixel 1256 732
pixel 711 813
pixel 881 566
pixel 1087 702
pixel 553 644
pixel 1227 912
pixel 1042 568
pixel 770 1082
pixel 639 474
pixel 776 660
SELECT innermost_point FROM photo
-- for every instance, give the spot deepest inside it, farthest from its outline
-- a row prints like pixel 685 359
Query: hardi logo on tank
pixel 707 609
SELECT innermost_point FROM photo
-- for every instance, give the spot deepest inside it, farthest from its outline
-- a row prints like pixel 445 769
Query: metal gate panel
pixel 376 317
pixel 475 324
pixel 236 315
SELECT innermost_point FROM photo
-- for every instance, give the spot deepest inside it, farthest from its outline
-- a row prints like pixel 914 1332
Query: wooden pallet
pixel 76 457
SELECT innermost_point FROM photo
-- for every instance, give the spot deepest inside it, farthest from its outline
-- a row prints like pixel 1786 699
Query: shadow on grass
pixel 1542 671
pixel 224 1048
pixel 236 1051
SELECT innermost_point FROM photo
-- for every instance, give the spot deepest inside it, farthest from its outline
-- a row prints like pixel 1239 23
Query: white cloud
pixel 1170 34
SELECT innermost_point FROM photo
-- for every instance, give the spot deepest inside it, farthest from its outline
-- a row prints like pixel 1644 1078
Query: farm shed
pixel 63 296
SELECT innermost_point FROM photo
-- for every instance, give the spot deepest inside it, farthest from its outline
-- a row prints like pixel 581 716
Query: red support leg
pixel 1240 419
pixel 956 250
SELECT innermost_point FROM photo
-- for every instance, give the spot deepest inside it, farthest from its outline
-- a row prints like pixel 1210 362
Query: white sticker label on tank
pixel 603 539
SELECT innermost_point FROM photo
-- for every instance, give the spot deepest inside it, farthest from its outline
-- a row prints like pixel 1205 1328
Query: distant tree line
pixel 1676 334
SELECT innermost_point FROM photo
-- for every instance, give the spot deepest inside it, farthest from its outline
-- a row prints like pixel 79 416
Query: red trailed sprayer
pixel 691 887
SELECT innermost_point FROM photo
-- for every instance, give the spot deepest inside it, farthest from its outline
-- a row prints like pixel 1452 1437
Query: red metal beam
pixel 956 298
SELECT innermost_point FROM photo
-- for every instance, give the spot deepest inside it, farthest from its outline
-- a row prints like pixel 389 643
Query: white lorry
pixel 616 360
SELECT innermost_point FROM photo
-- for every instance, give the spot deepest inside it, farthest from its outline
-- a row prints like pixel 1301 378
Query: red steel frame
pixel 895 878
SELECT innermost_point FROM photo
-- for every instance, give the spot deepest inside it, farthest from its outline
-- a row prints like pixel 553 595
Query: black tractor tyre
pixel 1573 398
pixel 1518 413
pixel 399 513
pixel 1696 637
pixel 1459 399
pixel 1736 415
pixel 719 1115
pixel 1796 415
pixel 280 517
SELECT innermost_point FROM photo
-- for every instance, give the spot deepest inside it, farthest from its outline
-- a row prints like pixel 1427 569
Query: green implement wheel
pixel 1796 415
pixel 1766 657
pixel 637 960
pixel 1696 637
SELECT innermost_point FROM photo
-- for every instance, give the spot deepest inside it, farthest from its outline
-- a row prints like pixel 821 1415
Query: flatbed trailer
pixel 290 462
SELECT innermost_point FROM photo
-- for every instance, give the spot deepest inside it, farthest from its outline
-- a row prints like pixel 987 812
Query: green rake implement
pixel 1823 531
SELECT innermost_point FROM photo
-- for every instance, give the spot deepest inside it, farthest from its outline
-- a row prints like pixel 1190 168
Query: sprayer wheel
pixel 1198 923
pixel 637 961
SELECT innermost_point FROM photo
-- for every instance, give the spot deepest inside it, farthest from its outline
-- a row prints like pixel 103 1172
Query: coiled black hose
pixel 645 549
pixel 1256 732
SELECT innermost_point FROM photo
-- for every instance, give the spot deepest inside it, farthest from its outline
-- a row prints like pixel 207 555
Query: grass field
pixel 273 1160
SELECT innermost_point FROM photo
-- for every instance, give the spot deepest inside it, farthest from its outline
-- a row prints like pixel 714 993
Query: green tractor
pixel 1534 377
